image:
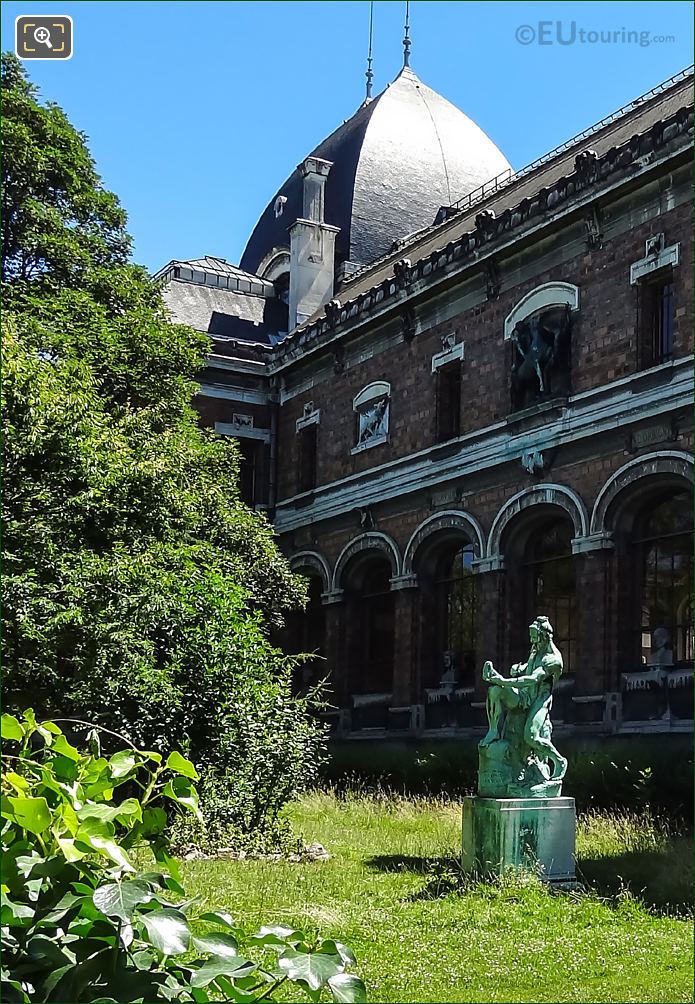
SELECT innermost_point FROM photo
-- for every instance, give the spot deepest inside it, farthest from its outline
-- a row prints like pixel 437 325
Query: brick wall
pixel 604 349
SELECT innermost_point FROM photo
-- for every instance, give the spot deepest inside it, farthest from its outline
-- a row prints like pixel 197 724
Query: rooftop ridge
pixel 470 242
pixel 500 181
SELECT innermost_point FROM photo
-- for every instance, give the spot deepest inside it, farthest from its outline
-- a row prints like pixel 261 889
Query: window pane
pixel 666 563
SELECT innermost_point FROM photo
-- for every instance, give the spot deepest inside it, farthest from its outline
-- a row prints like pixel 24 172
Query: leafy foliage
pixel 139 590
pixel 80 923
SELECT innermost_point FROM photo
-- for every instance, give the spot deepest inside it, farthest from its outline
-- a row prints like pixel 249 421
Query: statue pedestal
pixel 537 834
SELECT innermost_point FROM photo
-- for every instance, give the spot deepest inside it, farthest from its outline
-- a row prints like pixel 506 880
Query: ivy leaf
pixel 221 967
pixel 277 935
pixel 222 945
pixel 168 931
pixel 182 791
pixel 31 814
pixel 14 914
pixel 119 899
pixel 121 764
pixel 330 947
pixel 221 918
pixel 315 968
pixel 347 989
pixel 181 765
pixel 67 846
pixel 128 809
pixel 11 729
pixel 99 835
pixel 42 947
pixel 62 746
pixel 153 821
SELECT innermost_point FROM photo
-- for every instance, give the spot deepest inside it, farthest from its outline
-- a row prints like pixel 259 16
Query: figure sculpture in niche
pixel 541 364
pixel 373 422
pixel 517 757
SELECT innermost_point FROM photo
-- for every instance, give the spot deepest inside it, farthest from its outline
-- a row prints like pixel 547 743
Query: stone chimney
pixel 312 247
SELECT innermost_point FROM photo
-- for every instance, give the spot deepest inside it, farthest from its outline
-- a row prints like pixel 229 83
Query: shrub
pixel 81 923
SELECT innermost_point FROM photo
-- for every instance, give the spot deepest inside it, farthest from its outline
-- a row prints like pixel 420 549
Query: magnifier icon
pixel 43 36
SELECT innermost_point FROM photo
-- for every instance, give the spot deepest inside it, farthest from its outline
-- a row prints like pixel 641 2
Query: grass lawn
pixel 392 892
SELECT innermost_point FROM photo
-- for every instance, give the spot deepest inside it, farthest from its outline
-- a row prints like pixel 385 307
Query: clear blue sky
pixel 196 111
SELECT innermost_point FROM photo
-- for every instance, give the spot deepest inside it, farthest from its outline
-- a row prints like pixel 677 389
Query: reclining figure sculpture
pixel 517 758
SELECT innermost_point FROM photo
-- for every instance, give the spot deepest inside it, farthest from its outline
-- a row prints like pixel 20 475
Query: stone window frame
pixel 450 354
pixel 548 294
pixel 657 258
pixel 310 416
pixel 655 271
pixel 376 391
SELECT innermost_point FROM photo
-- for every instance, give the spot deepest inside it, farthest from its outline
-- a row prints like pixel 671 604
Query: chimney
pixel 312 247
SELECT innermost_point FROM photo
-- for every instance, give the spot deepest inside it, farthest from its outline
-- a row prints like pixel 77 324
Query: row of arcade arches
pixel 642 515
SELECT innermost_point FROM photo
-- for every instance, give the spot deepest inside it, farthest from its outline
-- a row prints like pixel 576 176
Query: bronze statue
pixel 517 756
pixel 542 358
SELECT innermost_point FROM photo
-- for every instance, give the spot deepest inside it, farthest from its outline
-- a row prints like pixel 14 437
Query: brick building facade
pixel 491 421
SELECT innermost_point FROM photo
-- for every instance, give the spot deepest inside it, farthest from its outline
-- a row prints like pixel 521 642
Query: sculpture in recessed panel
pixel 517 758
pixel 541 364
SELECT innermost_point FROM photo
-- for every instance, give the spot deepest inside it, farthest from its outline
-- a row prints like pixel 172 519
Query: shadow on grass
pixel 445 874
pixel 410 863
pixel 661 879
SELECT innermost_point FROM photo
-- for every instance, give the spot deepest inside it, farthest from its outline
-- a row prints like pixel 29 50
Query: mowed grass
pixel 421 932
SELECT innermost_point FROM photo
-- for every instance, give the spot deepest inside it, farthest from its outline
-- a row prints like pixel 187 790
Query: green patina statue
pixel 517 758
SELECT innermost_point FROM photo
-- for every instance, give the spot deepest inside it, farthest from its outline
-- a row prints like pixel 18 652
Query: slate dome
pixel 399 158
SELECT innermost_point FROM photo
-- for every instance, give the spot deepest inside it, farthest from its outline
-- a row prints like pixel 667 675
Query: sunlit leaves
pixel 168 931
pixel 119 899
pixel 29 813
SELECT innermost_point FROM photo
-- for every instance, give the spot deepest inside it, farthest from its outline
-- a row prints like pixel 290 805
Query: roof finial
pixel 370 73
pixel 406 37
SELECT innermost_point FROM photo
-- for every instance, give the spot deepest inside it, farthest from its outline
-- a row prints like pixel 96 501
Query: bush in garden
pixel 81 923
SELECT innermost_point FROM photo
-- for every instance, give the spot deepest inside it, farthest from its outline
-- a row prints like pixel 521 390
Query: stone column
pixel 593 560
pixel 490 590
pixel 336 663
pixel 594 657
pixel 404 643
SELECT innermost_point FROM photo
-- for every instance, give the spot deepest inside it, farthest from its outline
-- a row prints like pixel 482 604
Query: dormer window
pixel 372 407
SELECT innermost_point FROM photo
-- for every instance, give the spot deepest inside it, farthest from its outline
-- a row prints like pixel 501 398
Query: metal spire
pixel 406 37
pixel 370 73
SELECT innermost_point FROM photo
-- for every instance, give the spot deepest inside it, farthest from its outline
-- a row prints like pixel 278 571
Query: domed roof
pixel 395 163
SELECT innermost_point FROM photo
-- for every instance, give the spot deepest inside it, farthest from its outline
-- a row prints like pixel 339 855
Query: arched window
pixel 456 616
pixel 550 568
pixel 664 541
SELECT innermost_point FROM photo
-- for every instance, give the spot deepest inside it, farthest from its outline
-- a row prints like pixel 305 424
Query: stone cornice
pixel 586 415
pixel 617 167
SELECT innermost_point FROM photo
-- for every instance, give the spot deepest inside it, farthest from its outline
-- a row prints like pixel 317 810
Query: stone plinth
pixel 537 834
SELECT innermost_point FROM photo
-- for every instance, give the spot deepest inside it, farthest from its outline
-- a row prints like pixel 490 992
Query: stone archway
pixel 316 563
pixel 443 522
pixel 665 464
pixel 546 494
pixel 371 541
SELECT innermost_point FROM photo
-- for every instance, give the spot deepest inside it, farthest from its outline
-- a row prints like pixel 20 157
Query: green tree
pixel 138 589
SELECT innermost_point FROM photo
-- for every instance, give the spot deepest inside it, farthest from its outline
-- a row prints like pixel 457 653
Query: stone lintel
pixel 495 563
pixel 404 582
pixel 602 541
pixel 333 596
